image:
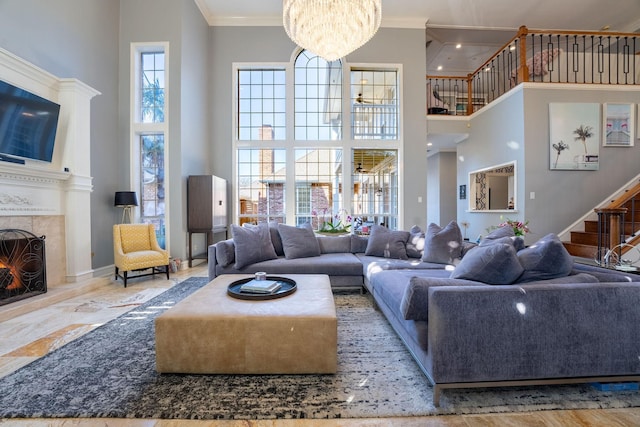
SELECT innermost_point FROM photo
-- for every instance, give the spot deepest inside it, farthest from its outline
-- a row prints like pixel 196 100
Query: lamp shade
pixel 125 198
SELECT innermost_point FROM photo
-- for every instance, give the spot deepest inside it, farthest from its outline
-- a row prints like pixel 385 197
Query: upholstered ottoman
pixel 210 332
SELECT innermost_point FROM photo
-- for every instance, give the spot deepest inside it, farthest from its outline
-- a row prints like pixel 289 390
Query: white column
pixel 75 112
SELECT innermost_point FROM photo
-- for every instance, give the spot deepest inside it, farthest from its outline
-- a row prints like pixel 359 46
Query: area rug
pixel 110 372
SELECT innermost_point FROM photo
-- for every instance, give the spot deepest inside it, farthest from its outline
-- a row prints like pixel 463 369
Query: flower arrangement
pixel 519 228
pixel 338 223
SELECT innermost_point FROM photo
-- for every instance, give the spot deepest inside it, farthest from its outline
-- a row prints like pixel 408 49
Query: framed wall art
pixel 463 192
pixel 618 125
pixel 574 136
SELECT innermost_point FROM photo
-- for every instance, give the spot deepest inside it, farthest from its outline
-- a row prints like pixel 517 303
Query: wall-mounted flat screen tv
pixel 28 124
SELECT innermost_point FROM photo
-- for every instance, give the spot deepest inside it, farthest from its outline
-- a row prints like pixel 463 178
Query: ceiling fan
pixel 360 169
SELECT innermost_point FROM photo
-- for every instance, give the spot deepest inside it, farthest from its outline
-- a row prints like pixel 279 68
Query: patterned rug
pixel 110 372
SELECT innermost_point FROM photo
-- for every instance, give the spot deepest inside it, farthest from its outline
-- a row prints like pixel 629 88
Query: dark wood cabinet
pixel 206 208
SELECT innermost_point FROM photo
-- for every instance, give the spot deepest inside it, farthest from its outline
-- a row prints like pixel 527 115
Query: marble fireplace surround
pixel 53 199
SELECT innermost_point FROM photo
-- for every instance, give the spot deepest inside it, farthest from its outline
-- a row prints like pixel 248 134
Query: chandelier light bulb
pixel 331 28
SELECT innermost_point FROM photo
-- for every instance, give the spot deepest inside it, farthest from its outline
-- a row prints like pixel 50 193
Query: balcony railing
pixel 549 56
pixel 374 121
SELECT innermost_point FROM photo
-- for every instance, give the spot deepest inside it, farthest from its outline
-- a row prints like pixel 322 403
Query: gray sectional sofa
pixel 497 314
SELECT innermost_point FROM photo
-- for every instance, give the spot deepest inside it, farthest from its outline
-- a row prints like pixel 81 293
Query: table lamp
pixel 126 200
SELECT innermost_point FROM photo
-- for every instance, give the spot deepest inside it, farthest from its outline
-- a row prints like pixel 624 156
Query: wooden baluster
pixel 615 216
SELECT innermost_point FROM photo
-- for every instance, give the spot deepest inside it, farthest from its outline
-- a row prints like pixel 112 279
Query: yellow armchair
pixel 135 248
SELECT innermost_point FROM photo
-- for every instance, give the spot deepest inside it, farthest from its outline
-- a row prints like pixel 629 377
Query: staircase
pixel 584 244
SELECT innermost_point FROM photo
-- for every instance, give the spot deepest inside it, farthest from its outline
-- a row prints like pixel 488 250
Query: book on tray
pixel 261 286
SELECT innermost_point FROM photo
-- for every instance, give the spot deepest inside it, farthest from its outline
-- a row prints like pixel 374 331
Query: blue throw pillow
pixel 545 259
pixel 492 264
pixel 252 244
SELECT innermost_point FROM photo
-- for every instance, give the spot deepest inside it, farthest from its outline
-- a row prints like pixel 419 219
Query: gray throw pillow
pixel 516 241
pixel 442 245
pixel 276 240
pixel 252 244
pixel 466 247
pixel 225 252
pixel 498 233
pixel 334 244
pixel 298 242
pixel 387 243
pixel 545 259
pixel 415 301
pixel 492 264
pixel 359 244
pixel 415 244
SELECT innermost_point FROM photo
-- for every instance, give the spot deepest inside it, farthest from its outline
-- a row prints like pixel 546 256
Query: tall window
pixel 281 177
pixel 261 105
pixel 149 129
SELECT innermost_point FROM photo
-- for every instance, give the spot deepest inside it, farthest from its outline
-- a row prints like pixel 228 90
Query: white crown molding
pixel 245 21
pixel 276 21
pixel 404 22
pixel 273 21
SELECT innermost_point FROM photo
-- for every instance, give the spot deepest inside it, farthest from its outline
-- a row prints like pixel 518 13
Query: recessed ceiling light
pixel 458 46
pixel 439 67
pixel 429 144
pixel 605 28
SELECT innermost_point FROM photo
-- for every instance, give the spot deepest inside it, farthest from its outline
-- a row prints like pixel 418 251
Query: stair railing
pixel 610 232
pixel 614 231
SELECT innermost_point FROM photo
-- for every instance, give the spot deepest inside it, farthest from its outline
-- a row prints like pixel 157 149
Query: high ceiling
pixel 457 21
pixel 619 15
pixel 481 26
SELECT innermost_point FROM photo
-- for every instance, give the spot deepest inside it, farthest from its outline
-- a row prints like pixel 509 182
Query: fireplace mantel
pixel 62 187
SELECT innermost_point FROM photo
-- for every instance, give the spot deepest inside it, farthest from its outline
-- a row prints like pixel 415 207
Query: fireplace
pixel 22 265
pixel 52 198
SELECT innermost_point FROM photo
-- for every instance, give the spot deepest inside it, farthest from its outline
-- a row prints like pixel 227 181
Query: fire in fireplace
pixel 22 265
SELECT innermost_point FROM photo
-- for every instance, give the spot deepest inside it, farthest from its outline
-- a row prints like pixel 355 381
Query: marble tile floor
pixel 30 329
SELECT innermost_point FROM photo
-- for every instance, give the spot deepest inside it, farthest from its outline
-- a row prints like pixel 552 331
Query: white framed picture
pixel 574 137
pixel 618 125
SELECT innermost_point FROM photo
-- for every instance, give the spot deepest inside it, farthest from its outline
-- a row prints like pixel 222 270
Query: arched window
pixel 318 98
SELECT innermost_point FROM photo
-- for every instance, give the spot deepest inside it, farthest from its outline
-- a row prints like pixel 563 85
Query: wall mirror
pixel 493 188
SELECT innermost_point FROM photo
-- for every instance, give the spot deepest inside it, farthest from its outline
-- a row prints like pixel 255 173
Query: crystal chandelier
pixel 331 28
